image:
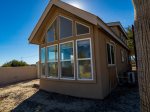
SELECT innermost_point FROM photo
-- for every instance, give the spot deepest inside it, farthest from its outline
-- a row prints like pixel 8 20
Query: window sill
pixel 69 81
pixel 111 65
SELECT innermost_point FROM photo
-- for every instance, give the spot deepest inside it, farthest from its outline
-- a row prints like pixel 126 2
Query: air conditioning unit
pixel 131 77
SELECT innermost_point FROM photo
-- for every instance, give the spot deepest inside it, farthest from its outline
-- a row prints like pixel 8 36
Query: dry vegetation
pixel 12 96
pixel 24 97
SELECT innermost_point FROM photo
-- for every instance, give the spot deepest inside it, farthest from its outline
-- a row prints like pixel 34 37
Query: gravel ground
pixel 29 99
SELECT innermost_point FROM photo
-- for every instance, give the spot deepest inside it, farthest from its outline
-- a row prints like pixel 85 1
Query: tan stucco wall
pixel 103 38
pixel 121 66
pixel 110 73
pixel 73 88
pixel 16 74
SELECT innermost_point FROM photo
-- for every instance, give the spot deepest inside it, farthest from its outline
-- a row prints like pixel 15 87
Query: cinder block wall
pixel 15 74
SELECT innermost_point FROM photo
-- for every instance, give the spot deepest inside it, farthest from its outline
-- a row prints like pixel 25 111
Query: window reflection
pixel 65 28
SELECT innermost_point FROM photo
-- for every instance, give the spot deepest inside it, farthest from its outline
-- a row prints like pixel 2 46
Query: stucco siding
pixel 78 89
pixel 121 66
pixel 110 73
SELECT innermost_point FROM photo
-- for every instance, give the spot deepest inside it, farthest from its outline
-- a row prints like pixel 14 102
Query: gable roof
pixel 119 25
pixel 95 20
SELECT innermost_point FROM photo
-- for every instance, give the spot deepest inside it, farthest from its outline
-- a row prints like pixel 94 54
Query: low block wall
pixel 15 74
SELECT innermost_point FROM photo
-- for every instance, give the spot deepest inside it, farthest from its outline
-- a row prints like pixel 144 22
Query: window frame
pixel 55 19
pixel 91 59
pixel 60 30
pixel 83 25
pixel 41 63
pixel 53 61
pixel 60 76
pixel 123 56
pixel 111 44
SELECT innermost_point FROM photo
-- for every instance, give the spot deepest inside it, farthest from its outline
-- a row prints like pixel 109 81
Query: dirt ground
pixel 24 97
pixel 11 96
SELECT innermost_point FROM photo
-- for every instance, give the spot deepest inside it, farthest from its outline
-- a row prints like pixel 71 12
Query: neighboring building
pixel 80 55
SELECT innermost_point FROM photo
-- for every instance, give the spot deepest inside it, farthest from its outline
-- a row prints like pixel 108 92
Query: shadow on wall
pixel 122 99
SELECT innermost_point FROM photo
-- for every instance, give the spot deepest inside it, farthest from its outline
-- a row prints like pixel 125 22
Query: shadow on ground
pixel 122 99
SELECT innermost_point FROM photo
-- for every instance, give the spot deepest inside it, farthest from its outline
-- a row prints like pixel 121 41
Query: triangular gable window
pixel 66 27
pixel 51 33
pixel 82 29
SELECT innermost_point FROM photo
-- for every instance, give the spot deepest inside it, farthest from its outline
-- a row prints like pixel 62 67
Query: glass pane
pixel 51 34
pixel 67 69
pixel 65 28
pixel 43 69
pixel 66 51
pixel 84 69
pixel 81 29
pixel 42 55
pixel 84 49
pixel 108 54
pixel 52 53
pixel 122 55
pixel 112 54
pixel 53 69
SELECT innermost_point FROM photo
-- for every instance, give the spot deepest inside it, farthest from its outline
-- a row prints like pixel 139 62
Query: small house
pixel 80 55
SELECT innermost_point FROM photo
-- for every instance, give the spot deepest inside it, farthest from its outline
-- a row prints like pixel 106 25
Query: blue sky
pixel 19 17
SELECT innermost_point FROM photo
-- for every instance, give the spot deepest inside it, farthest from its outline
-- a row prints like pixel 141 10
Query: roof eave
pixel 102 25
pixel 79 12
pixel 118 24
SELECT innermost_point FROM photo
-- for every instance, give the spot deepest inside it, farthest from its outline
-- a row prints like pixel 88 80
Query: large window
pixel 84 59
pixel 67 60
pixel 51 33
pixel 58 60
pixel 65 27
pixel 110 54
pixel 82 29
pixel 52 53
pixel 43 61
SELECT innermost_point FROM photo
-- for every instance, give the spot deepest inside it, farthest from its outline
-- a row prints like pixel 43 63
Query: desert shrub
pixel 15 63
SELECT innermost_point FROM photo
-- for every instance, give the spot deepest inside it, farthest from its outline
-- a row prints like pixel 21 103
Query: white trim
pixel 57 51
pixel 60 77
pixel 41 63
pixel 84 59
pixel 111 43
pixel 122 56
pixel 65 60
pixel 83 25
pixel 52 77
pixel 91 59
pixel 55 61
pixel 45 54
pixel 59 27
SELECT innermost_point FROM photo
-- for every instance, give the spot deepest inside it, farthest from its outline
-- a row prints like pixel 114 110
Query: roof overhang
pixel 119 25
pixel 102 25
pixel 93 19
pixel 76 11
